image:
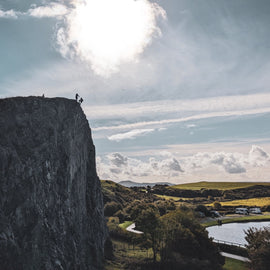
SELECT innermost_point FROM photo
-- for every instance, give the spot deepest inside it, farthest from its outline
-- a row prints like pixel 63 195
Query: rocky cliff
pixel 51 210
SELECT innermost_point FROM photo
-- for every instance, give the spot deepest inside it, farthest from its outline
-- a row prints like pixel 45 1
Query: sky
pixel 174 90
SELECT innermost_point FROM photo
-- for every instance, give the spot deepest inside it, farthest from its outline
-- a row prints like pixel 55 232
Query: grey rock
pixel 51 209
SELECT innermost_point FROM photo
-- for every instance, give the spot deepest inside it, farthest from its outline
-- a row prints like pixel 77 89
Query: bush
pixel 111 208
pixel 203 209
pixel 258 248
pixel 217 205
pixel 185 241
pixel 121 215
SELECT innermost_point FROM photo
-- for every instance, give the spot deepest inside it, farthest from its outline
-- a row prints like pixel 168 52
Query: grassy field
pixel 231 264
pixel 125 224
pixel 238 219
pixel 125 253
pixel 218 185
pixel 260 202
pixel 171 197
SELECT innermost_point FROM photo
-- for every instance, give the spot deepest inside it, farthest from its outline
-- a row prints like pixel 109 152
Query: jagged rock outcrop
pixel 51 209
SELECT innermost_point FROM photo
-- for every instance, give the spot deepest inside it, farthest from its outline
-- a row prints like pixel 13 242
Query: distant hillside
pixel 136 184
pixel 219 185
pixel 114 192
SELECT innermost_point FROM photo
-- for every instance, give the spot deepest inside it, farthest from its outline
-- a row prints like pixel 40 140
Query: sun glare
pixel 107 33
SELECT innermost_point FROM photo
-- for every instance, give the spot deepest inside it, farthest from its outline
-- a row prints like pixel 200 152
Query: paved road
pixel 236 257
pixel 131 227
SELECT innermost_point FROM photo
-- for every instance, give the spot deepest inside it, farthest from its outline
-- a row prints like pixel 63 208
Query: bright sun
pixel 108 33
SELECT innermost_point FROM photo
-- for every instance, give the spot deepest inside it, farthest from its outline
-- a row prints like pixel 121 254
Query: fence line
pixel 228 243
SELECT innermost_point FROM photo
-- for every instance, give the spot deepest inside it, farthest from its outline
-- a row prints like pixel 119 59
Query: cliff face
pixel 51 210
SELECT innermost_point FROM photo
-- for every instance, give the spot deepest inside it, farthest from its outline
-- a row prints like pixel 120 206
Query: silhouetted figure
pixel 81 100
pixel 77 96
pixel 43 96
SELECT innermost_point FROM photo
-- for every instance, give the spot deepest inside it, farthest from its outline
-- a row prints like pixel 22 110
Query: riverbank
pixel 208 222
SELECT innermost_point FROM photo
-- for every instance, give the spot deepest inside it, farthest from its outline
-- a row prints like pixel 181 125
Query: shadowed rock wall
pixel 51 210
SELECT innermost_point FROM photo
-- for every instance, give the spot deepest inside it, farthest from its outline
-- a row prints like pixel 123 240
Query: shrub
pixel 259 248
pixel 185 240
pixel 111 208
pixel 121 215
pixel 217 205
pixel 203 209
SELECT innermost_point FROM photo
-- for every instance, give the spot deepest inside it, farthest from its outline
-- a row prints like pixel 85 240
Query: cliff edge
pixel 51 209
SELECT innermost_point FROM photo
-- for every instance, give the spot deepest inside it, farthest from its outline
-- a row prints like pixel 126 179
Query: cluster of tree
pixel 185 193
pixel 258 248
pixel 125 203
pixel 179 240
pixel 232 194
pixel 173 235
pixel 247 193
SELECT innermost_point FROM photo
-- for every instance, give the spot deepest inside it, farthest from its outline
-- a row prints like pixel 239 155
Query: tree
pixel 148 221
pixel 217 205
pixel 186 241
pixel 258 248
pixel 121 215
pixel 110 208
pixel 203 209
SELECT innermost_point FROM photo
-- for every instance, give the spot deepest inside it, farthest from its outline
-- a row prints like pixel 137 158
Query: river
pixel 234 232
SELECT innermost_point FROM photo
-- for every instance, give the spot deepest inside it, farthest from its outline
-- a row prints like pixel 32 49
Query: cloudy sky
pixel 174 90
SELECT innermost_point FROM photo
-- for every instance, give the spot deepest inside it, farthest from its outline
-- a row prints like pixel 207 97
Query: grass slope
pixel 125 224
pixel 218 185
pixel 231 264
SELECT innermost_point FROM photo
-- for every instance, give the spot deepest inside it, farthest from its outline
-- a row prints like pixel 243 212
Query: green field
pixel 218 185
pixel 125 224
pixel 260 202
pixel 231 264
pixel 126 253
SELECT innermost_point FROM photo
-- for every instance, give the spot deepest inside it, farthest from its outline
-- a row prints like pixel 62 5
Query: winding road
pixel 131 227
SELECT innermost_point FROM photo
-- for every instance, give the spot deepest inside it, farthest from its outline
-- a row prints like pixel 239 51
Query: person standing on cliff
pixel 77 96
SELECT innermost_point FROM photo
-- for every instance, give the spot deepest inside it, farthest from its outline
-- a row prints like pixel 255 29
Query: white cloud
pixel 191 126
pixel 167 166
pixel 157 123
pixel 257 156
pixel 51 10
pixel 222 104
pixel 117 159
pixel 170 165
pixel 230 162
pixel 9 14
pixel 117 166
pixel 106 34
pixel 130 134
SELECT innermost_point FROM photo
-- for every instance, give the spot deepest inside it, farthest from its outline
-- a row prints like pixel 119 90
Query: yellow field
pixel 260 202
pixel 219 185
